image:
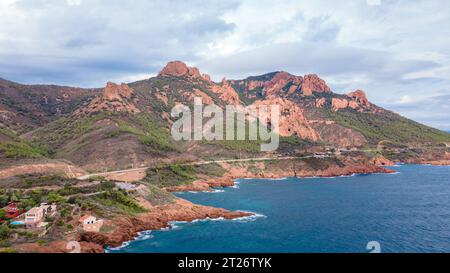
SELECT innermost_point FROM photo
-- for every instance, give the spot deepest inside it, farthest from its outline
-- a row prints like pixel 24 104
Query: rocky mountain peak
pixel 179 69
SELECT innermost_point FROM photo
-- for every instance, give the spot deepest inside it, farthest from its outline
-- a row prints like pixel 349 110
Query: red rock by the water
pixel 382 161
pixel 158 218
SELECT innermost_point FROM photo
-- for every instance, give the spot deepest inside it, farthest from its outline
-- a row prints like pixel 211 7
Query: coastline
pixel 161 217
pixel 129 228
pixel 208 185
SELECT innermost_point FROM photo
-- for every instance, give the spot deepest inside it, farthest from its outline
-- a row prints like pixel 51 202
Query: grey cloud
pixel 321 30
pixel 321 58
pixel 101 40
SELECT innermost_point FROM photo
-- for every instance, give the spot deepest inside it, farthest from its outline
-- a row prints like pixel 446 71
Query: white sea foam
pixel 276 179
pixel 249 218
pixel 142 235
pixel 124 244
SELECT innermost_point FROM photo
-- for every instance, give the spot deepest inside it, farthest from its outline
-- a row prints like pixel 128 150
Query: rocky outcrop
pixel 337 103
pixel 360 97
pixel 180 69
pixel 206 77
pixel 226 92
pixel 229 95
pixel 127 227
pixel 312 83
pixel 319 103
pixel 355 100
pixel 114 91
pixel 382 161
pixel 280 80
pixel 114 98
pixel 284 84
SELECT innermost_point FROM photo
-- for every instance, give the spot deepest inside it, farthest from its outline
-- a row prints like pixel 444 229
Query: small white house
pixel 90 223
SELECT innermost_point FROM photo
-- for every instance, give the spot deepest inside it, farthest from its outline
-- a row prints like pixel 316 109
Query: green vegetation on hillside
pixel 154 137
pixel 158 196
pixel 387 126
pixel 176 174
pixel 117 201
pixel 55 134
pixel 21 150
pixel 12 146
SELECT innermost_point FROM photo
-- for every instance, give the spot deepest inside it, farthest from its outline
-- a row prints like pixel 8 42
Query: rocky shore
pixel 127 228
pixel 204 185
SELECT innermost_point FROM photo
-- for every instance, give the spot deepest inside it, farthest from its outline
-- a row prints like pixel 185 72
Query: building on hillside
pixel 35 216
pixel 90 223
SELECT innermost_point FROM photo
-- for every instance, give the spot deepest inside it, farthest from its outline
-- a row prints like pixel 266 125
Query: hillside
pixel 12 147
pixel 128 125
pixel 26 107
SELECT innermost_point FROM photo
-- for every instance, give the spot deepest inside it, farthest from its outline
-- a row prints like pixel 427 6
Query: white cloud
pixel 73 2
pixel 373 2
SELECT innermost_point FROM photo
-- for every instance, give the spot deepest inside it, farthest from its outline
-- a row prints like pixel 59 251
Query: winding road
pixel 87 176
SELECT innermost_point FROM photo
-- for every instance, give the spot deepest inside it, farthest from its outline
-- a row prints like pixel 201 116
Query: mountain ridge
pixel 134 120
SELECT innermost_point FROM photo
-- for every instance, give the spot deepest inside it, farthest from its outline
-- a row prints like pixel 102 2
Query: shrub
pixel 4 232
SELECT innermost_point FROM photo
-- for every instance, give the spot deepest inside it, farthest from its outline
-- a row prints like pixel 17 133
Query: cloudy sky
pixel 398 51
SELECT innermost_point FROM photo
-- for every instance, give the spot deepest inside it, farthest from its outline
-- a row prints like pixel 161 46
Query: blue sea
pixel 408 211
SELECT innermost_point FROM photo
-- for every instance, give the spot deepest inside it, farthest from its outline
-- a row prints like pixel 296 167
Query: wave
pixel 143 235
pixel 249 218
pixel 276 179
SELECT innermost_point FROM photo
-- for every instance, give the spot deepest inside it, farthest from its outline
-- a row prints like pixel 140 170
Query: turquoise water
pixel 405 212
